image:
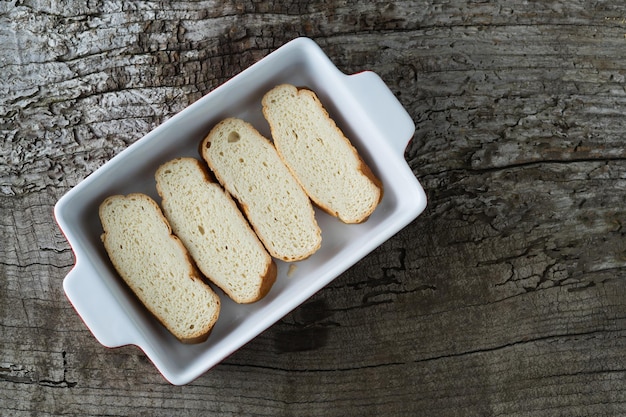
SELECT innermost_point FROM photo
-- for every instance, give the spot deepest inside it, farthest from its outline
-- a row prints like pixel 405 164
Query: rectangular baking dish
pixel 362 106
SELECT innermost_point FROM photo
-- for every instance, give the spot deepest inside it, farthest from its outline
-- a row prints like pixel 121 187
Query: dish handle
pixel 383 108
pixel 97 306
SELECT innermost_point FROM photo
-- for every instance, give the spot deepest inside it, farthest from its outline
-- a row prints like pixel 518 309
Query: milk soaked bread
pixel 156 266
pixel 249 168
pixel 217 236
pixel 319 155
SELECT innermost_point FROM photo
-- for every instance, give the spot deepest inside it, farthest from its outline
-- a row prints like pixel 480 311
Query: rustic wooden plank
pixel 504 298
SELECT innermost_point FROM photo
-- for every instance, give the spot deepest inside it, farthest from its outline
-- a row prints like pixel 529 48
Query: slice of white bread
pixel 156 266
pixel 319 155
pixel 206 219
pixel 249 168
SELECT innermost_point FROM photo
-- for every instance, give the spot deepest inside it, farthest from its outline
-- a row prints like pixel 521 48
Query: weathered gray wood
pixel 505 298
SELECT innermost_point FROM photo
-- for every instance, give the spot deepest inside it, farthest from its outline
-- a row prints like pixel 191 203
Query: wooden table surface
pixel 506 297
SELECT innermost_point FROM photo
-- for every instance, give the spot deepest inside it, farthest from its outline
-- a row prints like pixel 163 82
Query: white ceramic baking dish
pixel 363 107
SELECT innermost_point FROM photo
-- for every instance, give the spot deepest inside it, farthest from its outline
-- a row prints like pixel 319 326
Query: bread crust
pixel 206 144
pixel 268 277
pixel 199 335
pixel 362 167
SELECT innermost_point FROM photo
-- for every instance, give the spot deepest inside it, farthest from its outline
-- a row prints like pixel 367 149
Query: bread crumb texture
pixel 249 167
pixel 319 155
pixel 156 267
pixel 219 239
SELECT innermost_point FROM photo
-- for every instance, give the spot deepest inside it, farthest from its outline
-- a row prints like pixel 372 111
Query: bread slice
pixel 249 168
pixel 217 236
pixel 319 155
pixel 156 266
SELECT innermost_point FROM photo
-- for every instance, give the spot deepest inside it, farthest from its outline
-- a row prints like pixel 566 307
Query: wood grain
pixel 505 298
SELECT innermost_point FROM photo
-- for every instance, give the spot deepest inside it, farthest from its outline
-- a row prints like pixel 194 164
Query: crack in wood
pixel 18 375
pixel 434 358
